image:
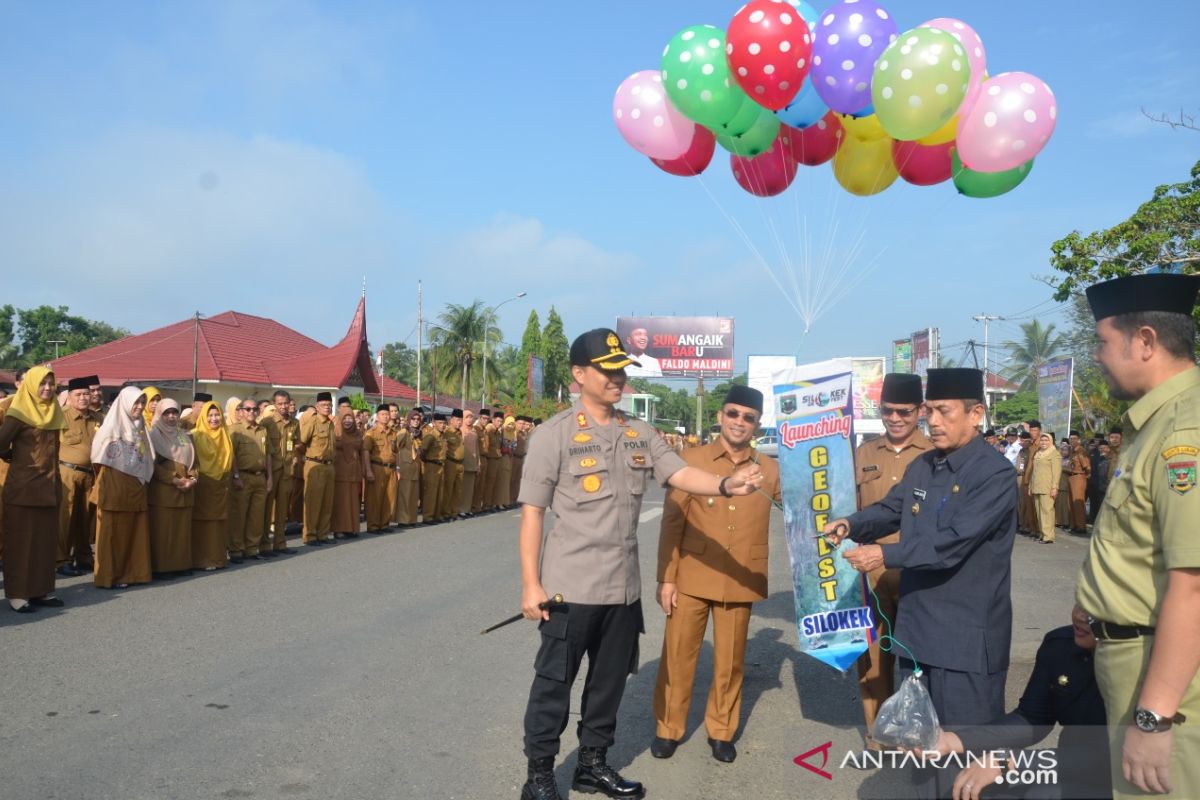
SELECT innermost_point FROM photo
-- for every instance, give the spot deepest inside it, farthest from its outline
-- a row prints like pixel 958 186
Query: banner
pixel 902 355
pixel 814 413
pixel 1054 396
pixel 921 347
pixel 535 379
pixel 760 374
pixel 678 347
pixel 868 387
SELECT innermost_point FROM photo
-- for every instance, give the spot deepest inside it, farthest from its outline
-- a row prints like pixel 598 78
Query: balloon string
pixel 887 640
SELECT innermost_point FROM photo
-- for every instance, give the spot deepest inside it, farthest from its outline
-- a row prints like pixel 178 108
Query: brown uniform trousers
pixel 278 504
pixel 715 550
pixel 877 468
pixel 1044 476
pixel 317 436
pixel 408 471
pixel 76 518
pixel 380 493
pixel 489 443
pixel 433 456
pixel 1077 480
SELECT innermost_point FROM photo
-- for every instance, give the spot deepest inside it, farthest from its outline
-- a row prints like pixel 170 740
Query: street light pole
pixel 483 394
pixel 56 343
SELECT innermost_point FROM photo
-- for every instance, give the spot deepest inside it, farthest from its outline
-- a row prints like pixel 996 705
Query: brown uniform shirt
pixel 433 446
pixel 75 446
pixel 490 441
pixel 33 464
pixel 250 447
pixel 878 467
pixel 316 434
pixel 454 444
pixel 380 443
pixel 716 548
pixel 593 478
pixel 406 459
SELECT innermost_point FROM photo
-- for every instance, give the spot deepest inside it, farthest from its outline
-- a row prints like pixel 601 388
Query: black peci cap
pixel 956 383
pixel 202 397
pixel 325 396
pixel 1025 435
pixel 383 407
pixel 600 347
pixel 439 417
pixel 457 413
pixel 745 396
pixel 1159 291
pixel 77 383
pixel 899 387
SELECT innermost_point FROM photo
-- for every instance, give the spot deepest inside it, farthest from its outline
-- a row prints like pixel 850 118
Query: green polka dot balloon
pixel 697 78
pixel 756 140
pixel 920 80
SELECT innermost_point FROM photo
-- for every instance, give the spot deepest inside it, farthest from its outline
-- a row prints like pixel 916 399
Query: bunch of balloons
pixel 785 86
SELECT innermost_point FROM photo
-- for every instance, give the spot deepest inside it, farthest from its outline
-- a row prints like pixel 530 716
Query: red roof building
pixel 240 354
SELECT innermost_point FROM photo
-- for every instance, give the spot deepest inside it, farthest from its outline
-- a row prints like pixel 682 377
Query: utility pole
pixel 985 319
pixel 700 408
pixel 420 343
pixel 196 354
pixel 56 343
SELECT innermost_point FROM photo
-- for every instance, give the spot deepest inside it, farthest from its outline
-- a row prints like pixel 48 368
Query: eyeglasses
pixel 903 413
pixel 733 413
pixel 249 409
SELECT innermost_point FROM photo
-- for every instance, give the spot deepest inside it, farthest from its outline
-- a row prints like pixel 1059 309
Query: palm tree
pixel 461 333
pixel 1038 346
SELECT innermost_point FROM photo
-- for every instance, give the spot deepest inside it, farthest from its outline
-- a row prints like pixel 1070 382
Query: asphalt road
pixel 358 671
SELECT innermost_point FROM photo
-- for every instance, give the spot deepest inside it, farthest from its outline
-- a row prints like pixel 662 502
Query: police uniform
pixel 957 516
pixel 878 466
pixel 317 436
pixel 1062 690
pixel 1147 527
pixel 593 478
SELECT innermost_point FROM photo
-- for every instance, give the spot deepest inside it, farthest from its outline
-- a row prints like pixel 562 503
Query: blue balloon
pixel 865 111
pixel 806 10
pixel 807 109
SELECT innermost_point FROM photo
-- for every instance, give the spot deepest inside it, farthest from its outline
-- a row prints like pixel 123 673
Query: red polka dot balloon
pixel 769 50
pixel 817 143
pixel 695 160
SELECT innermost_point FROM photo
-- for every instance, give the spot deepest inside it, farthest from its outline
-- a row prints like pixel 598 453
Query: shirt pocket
pixel 1111 524
pixel 863 477
pixel 693 544
pixel 638 468
pixel 590 479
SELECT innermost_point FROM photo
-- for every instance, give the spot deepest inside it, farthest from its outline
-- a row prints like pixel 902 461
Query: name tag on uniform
pixel 871 468
pixel 289 443
pixel 919 494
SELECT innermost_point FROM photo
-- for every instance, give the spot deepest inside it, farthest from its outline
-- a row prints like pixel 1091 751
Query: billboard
pixel 535 379
pixel 925 346
pixel 868 387
pixel 902 355
pixel 678 347
pixel 1054 380
pixel 760 371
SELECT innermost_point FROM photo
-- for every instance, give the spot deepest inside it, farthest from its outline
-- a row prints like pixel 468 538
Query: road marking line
pixel 649 514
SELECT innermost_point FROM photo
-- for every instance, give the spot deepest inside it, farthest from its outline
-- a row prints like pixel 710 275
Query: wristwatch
pixel 721 487
pixel 1146 720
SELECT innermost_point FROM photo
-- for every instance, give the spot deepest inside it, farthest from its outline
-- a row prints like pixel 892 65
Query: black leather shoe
pixel 47 602
pixel 268 553
pixel 722 751
pixel 236 559
pixel 540 784
pixel 256 557
pixel 287 551
pixel 314 543
pixel 662 747
pixel 594 775
pixel 67 571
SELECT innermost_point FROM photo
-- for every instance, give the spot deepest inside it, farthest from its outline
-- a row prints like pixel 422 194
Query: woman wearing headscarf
pixel 214 464
pixel 171 493
pixel 124 462
pixel 29 441
pixel 1043 485
pixel 231 411
pixel 153 398
pixel 349 467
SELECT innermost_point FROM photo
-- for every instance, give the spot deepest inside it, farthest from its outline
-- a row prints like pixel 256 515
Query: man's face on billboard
pixel 639 340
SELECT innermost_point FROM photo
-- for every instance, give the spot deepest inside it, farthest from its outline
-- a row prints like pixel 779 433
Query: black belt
pixel 1110 630
pixel 77 467
pixel 317 460
pixel 252 472
pixel 431 461
pixel 381 463
pixel 455 460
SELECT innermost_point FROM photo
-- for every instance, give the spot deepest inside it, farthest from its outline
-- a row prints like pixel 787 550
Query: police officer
pixel 956 509
pixel 1141 579
pixel 1062 690
pixel 590 464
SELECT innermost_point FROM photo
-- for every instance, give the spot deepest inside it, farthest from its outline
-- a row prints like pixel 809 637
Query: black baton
pixel 557 600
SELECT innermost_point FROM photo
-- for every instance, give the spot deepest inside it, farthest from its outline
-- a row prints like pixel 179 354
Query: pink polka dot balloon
pixel 976 55
pixel 647 119
pixel 1009 124
pixel 769 50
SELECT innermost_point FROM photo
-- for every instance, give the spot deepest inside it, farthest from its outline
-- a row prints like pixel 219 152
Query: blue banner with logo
pixel 814 414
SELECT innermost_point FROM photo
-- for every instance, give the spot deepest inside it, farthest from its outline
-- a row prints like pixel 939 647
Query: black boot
pixel 593 774
pixel 540 785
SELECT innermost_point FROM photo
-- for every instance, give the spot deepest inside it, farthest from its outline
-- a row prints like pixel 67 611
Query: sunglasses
pixel 903 413
pixel 249 408
pixel 733 413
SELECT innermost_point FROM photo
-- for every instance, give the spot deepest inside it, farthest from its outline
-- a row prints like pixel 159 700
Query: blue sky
pixel 158 158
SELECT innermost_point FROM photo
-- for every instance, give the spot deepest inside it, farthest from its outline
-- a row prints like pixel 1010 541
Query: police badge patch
pixel 1181 476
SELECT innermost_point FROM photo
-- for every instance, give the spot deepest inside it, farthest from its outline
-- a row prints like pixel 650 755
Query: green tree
pixel 531 340
pixel 460 336
pixel 1037 346
pixel 38 329
pixel 508 375
pixel 400 363
pixel 556 355
pixel 1164 233
pixel 714 398
pixel 1021 407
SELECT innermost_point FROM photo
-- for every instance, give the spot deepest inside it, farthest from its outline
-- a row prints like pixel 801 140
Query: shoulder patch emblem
pixel 631 433
pixel 591 483
pixel 582 437
pixel 1180 450
pixel 581 419
pixel 587 462
pixel 1181 476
